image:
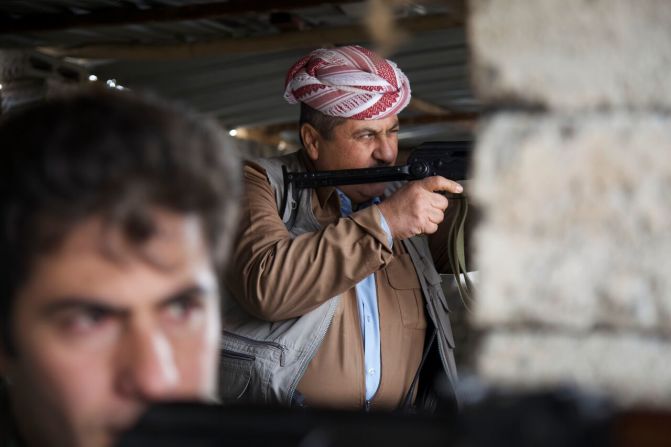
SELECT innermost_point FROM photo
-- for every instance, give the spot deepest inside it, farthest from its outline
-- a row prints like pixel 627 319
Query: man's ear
pixel 310 137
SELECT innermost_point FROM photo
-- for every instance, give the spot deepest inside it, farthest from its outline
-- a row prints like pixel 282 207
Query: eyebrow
pixel 188 292
pixel 104 306
pixel 365 130
pixel 82 303
pixel 370 129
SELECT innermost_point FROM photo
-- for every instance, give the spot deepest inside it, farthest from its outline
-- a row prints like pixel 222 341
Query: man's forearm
pixel 275 276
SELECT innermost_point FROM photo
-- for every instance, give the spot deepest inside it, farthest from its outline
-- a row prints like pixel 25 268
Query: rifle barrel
pixel 348 176
pixel 449 159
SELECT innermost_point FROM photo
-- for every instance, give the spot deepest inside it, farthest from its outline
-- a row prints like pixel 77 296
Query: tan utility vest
pixel 262 362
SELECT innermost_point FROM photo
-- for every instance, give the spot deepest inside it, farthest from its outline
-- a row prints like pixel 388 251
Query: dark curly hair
pixel 113 154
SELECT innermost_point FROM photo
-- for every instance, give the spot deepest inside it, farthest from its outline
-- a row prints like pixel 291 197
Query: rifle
pixel 556 417
pixel 445 158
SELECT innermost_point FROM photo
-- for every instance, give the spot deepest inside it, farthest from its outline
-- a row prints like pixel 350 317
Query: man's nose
pixel 386 150
pixel 148 370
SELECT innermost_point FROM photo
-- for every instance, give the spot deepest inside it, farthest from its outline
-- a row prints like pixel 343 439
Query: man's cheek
pixel 197 361
pixel 50 405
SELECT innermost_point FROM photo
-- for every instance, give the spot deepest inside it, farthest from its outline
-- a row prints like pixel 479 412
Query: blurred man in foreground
pixel 115 217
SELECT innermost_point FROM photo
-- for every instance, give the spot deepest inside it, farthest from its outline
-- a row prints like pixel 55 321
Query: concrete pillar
pixel 573 173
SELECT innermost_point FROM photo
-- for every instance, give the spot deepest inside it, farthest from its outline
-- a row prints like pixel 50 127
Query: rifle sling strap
pixel 456 252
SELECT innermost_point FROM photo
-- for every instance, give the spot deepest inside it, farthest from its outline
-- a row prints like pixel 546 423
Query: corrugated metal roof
pixel 239 88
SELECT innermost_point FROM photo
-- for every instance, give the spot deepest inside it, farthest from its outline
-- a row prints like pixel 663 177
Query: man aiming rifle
pixel 337 303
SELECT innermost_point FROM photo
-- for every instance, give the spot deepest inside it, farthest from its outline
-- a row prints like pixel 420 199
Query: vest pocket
pixel 235 372
pixel 444 317
pixel 402 278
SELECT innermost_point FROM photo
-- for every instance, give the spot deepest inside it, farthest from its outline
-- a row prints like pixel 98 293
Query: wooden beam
pixel 306 39
pixel 462 118
pixel 381 21
pixel 427 107
pixel 434 113
pixel 270 135
pixel 451 118
pixel 134 16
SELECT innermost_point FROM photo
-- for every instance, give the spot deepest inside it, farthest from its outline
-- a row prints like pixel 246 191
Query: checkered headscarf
pixel 348 82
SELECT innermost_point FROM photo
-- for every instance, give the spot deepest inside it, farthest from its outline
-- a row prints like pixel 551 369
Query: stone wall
pixel 573 174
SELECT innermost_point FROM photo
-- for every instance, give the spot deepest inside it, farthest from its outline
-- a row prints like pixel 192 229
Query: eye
pixel 184 307
pixel 366 136
pixel 85 320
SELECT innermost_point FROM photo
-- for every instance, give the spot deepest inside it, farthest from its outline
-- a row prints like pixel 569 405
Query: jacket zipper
pixel 271 344
pixel 237 355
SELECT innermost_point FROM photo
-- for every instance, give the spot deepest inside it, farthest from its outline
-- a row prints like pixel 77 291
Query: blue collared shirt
pixel 369 316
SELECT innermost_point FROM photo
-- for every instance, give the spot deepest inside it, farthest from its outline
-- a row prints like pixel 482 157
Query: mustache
pixel 381 164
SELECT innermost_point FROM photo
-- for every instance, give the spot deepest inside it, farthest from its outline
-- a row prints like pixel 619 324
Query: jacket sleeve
pixel 275 276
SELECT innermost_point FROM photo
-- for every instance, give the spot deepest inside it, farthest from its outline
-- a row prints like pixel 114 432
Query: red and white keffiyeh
pixel 348 82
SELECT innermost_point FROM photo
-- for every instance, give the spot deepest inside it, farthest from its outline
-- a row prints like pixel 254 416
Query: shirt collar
pixel 346 207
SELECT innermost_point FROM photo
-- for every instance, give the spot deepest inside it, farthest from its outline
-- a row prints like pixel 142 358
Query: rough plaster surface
pixel 577 222
pixel 572 54
pixel 631 369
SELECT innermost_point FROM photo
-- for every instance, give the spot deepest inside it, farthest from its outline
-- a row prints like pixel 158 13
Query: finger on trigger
pixel 438 183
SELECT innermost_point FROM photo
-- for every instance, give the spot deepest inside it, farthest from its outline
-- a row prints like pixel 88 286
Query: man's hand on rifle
pixel 418 207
